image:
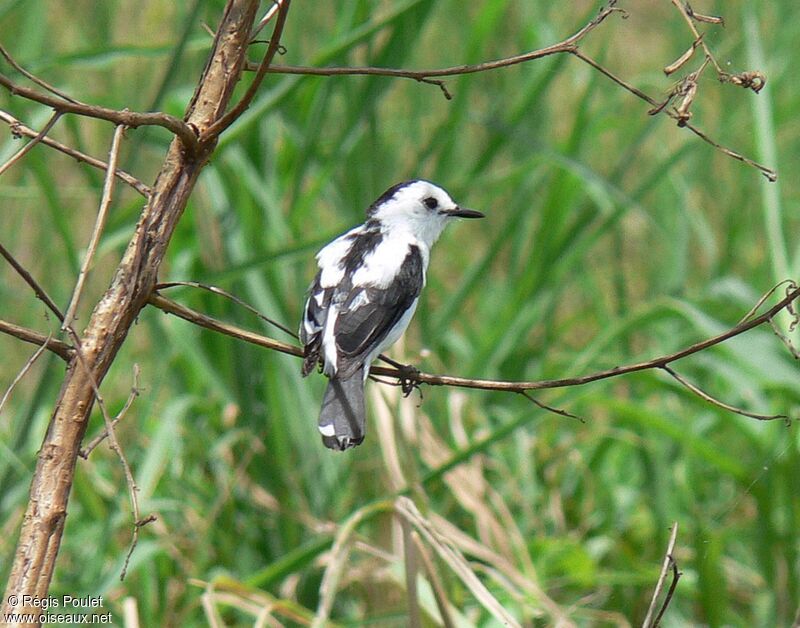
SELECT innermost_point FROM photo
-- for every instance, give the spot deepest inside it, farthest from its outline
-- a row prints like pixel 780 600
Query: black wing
pixel 367 314
pixel 313 324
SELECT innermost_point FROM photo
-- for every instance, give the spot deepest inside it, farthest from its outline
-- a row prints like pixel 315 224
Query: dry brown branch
pixel 127 293
pixel 752 80
pixel 37 138
pixel 123 117
pixel 433 75
pixel 18 128
pixel 188 314
pixel 229 296
pixel 99 225
pixel 419 377
pixel 669 563
pixel 61 349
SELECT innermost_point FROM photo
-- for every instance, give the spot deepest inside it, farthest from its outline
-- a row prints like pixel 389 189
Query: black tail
pixel 343 416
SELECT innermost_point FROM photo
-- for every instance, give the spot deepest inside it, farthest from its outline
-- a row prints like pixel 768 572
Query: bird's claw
pixel 409 378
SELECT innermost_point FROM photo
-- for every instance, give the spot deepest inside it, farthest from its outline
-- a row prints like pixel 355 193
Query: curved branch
pixel 18 128
pixel 418 377
pixel 61 349
pixel 119 117
pixel 433 76
pixel 567 45
pixel 661 362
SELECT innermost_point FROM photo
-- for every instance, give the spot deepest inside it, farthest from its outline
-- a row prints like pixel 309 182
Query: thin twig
pixel 171 307
pixel 124 117
pixel 754 80
pixel 84 453
pixel 697 36
pixel 227 295
pixel 676 575
pixel 24 370
pixel 99 225
pixel 661 108
pixel 28 278
pixel 18 128
pixel 61 349
pixel 38 138
pixel 771 175
pixel 720 404
pixel 113 444
pixel 649 622
pixel 34 78
pixel 231 116
pixel 790 285
pixel 784 339
pixel 567 45
pixel 544 406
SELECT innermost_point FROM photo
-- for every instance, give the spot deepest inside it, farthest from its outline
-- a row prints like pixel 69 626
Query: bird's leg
pixel 408 376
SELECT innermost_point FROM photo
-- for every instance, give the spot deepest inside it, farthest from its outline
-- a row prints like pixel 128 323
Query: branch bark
pixel 116 311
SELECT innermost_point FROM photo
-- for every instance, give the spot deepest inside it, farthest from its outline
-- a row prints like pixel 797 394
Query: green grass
pixel 610 237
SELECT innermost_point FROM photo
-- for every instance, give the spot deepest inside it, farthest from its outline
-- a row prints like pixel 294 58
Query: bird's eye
pixel 431 203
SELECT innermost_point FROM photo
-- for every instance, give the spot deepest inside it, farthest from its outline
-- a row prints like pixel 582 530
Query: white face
pixel 420 207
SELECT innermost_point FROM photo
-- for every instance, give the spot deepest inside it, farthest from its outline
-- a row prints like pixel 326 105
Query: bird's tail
pixel 343 416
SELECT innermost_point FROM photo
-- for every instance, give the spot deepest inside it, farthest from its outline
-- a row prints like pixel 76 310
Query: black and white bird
pixel 365 294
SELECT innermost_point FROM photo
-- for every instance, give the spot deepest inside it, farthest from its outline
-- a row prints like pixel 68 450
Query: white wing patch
pixel 330 257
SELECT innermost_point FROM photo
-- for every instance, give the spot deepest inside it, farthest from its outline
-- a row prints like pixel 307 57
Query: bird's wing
pixel 315 315
pixel 367 314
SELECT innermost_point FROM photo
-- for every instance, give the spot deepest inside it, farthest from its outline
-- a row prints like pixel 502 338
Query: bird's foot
pixel 409 379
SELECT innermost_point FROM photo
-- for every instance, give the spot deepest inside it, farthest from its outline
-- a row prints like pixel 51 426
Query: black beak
pixel 460 212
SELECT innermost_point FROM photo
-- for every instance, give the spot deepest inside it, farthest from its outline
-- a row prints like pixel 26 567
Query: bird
pixel 364 295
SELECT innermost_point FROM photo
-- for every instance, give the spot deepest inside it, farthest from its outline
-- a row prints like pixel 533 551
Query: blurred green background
pixel 611 237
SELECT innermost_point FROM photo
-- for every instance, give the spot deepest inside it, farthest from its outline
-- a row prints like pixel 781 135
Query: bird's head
pixel 418 207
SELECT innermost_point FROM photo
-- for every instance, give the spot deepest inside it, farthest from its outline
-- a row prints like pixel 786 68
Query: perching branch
pixel 417 377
